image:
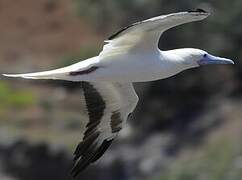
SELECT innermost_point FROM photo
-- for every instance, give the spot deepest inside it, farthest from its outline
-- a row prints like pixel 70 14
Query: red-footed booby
pixel 130 55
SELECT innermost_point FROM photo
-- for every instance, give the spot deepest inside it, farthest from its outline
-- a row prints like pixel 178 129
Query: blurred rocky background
pixel 187 127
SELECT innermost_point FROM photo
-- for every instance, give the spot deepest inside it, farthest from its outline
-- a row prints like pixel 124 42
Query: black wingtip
pixel 198 10
pixel 75 172
pixel 88 156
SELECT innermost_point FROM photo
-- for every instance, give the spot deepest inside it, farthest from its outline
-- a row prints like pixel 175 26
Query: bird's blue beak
pixel 210 59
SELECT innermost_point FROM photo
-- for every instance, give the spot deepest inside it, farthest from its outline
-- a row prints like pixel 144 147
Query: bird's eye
pixel 205 55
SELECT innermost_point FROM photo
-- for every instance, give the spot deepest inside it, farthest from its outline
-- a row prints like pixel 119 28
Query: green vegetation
pixel 14 98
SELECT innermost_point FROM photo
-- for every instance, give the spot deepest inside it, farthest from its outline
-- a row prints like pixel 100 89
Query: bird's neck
pixel 179 58
pixel 171 63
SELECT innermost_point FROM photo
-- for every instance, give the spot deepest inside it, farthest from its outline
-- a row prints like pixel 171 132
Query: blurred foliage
pixel 14 98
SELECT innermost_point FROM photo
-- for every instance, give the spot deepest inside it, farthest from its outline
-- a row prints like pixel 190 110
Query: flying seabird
pixel 130 55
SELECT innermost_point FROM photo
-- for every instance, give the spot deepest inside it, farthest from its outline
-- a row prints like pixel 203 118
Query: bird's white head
pixel 191 58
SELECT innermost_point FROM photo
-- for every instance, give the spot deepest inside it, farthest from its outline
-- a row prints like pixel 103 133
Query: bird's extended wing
pixel 65 73
pixel 107 108
pixel 147 33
